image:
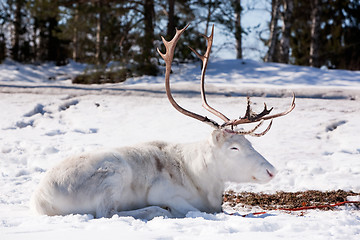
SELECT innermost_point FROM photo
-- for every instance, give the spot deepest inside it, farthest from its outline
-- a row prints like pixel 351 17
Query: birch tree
pixel 315 32
pixel 238 30
pixel 273 38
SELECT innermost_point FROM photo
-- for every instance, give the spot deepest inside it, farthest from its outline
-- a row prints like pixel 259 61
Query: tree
pixel 300 33
pixel 75 43
pixel 177 14
pixel 171 18
pixel 45 15
pixel 4 19
pixel 2 47
pixel 333 23
pixel 351 50
pixel 147 45
pixel 99 39
pixel 342 31
pixel 18 29
pixel 227 16
pixel 315 32
pixel 273 38
pixel 238 30
pixel 286 16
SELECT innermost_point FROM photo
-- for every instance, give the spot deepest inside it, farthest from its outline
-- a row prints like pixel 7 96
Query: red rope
pixel 303 208
pixel 317 207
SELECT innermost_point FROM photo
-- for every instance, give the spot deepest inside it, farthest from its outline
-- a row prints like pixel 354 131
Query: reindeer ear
pixel 219 136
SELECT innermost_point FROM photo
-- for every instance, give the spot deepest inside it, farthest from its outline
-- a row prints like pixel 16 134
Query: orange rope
pixel 317 207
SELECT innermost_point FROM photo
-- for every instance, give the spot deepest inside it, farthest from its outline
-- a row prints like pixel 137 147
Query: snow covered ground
pixel 45 118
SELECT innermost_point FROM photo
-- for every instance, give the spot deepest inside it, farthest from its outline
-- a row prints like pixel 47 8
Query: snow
pixel 45 118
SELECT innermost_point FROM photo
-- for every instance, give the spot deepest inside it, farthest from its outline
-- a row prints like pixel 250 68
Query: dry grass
pixel 287 199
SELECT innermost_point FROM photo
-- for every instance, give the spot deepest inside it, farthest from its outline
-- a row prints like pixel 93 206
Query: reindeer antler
pixel 205 59
pixel 249 116
pixel 168 57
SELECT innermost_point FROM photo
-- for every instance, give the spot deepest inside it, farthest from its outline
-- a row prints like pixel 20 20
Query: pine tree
pixel 300 33
pixel 287 18
pixel 147 47
pixel 170 19
pixel 45 15
pixel 18 29
pixel 177 14
pixel 342 30
pixel 4 19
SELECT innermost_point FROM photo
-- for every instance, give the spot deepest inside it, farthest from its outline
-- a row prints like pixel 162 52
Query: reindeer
pixel 160 178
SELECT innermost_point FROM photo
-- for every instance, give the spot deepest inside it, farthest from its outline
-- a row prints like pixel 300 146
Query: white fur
pixel 152 179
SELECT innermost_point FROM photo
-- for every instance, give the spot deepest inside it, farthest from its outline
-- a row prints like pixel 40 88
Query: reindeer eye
pixel 234 148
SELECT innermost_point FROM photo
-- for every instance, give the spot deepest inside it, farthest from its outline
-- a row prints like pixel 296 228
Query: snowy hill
pixel 45 118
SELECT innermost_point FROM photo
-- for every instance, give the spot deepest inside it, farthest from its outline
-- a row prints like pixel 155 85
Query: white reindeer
pixel 159 178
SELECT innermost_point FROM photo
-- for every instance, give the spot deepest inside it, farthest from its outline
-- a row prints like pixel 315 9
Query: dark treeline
pixel 103 31
pixel 304 32
pixel 315 33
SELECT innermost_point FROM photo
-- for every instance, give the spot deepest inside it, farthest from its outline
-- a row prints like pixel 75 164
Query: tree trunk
pixel 286 30
pixel 42 43
pixel 148 41
pixel 149 27
pixel 2 47
pixel 237 8
pixel 275 6
pixel 98 33
pixel 17 31
pixel 171 20
pixel 53 42
pixel 75 54
pixel 315 28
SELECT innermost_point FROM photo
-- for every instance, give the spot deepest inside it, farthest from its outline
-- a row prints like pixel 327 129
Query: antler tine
pixel 205 58
pixel 261 116
pixel 168 58
pixel 251 131
pixel 170 46
pixel 262 133
pixel 243 132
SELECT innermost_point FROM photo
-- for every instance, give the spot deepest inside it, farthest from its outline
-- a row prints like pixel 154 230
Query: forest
pixel 302 32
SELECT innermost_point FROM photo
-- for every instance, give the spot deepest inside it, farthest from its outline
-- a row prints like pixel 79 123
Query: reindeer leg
pixel 146 213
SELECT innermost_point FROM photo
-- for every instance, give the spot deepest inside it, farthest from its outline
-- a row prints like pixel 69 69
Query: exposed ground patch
pixel 287 199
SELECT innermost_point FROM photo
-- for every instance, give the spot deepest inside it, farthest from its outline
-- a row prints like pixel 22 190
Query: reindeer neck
pixel 202 168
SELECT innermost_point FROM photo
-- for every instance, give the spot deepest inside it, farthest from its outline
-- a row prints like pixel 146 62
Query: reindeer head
pixel 237 160
pixel 231 145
